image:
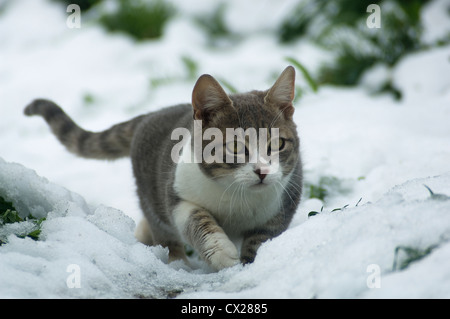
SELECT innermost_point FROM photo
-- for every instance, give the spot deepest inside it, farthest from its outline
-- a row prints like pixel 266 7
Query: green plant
pixel 191 67
pixel 306 75
pixel 215 26
pixel 346 70
pixel 313 213
pixel 230 87
pixel 312 83
pixel 412 255
pixel 9 215
pixel 297 23
pixel 340 26
pixel 5 206
pixel 88 99
pixel 436 196
pixel 140 19
pixel 324 187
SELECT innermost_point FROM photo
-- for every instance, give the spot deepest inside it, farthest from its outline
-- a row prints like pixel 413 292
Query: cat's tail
pixel 110 144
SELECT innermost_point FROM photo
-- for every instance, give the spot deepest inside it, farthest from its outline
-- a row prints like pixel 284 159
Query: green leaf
pixel 215 26
pixel 140 19
pixel 436 196
pixel 191 67
pixel 412 255
pixel 4 205
pixel 231 88
pixel 312 213
pixel 34 234
pixel 338 209
pixel 10 216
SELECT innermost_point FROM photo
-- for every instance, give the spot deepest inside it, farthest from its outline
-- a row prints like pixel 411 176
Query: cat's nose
pixel 260 175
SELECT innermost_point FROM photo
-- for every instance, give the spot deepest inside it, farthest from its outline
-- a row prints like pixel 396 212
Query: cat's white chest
pixel 235 208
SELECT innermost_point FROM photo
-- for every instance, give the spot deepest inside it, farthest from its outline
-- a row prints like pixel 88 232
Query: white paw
pixel 225 253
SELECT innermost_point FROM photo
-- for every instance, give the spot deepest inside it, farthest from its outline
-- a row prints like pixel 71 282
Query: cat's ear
pixel 208 97
pixel 281 94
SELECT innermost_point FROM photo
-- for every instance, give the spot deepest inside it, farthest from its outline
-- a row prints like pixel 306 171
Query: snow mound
pixel 96 242
pixel 90 252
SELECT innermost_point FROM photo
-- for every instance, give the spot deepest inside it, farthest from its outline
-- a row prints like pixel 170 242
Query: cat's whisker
pixel 220 176
pixel 229 216
pixel 297 187
pixel 276 117
pixel 223 194
pixel 278 196
pixel 287 192
pixel 236 200
pixel 230 206
pixel 245 198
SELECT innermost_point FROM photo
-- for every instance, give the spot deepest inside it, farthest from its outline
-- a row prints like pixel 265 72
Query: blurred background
pixel 339 27
pixel 131 57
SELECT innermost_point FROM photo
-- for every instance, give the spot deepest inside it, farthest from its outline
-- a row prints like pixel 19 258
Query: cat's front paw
pixel 223 254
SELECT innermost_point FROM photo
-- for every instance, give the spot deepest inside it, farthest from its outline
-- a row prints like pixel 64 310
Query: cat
pixel 216 207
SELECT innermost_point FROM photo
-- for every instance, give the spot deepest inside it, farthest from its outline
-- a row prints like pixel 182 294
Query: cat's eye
pixel 236 147
pixel 277 144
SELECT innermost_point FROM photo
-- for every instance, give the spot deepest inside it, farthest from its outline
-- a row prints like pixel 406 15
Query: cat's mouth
pixel 259 185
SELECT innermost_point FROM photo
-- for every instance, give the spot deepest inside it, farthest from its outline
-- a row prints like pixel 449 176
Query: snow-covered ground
pixel 378 149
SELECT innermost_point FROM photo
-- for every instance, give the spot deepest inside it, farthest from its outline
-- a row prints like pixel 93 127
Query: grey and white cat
pixel 209 205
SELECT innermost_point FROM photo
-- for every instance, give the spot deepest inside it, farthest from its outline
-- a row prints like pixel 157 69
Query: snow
pixel 381 150
pixel 302 263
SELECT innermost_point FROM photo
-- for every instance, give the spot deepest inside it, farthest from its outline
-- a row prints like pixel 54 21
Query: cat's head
pixel 249 139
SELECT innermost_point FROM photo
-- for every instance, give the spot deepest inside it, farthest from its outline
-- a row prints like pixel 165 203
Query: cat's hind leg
pixel 145 235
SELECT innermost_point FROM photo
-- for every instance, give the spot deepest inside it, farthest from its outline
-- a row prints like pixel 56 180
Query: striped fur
pixel 110 144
